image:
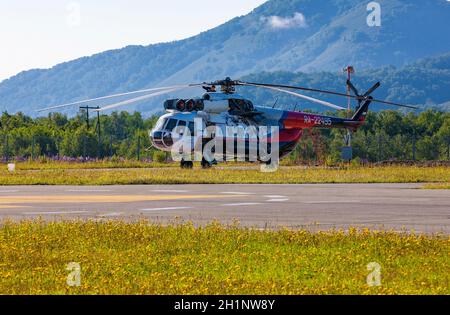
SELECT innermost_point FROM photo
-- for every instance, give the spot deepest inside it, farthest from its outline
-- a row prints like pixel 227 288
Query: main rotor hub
pixel 227 86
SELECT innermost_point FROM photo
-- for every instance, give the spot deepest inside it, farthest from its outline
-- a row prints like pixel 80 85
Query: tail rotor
pixel 363 100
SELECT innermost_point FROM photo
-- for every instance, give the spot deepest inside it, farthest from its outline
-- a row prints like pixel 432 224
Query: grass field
pixel 141 258
pixel 56 174
pixel 101 164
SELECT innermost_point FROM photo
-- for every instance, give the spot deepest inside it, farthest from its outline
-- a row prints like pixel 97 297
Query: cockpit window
pixel 171 124
pixel 160 124
pixel 181 123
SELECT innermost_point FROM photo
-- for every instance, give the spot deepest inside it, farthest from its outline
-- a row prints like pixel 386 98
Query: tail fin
pixel 362 110
pixel 363 101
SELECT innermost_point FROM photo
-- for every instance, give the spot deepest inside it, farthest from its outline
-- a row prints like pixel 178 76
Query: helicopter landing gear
pixel 205 164
pixel 186 164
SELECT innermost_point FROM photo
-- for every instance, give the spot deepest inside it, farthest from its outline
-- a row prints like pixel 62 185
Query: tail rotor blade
pixel 372 89
pixel 352 87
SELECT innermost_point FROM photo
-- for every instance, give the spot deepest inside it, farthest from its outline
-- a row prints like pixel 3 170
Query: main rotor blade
pixel 118 95
pixel 359 98
pixel 311 99
pixel 394 104
pixel 137 99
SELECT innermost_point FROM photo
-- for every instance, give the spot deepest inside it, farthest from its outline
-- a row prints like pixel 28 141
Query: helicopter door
pixel 191 128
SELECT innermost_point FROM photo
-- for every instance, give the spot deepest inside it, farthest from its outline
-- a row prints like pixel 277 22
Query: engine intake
pixel 181 105
pixel 190 105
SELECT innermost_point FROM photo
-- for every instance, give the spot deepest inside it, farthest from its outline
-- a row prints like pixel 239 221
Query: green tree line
pixel 121 135
pixel 388 135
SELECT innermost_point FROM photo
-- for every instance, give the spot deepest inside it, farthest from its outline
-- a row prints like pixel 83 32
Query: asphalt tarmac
pixel 315 207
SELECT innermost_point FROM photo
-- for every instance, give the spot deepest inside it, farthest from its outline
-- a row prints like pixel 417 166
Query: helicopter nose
pixel 161 139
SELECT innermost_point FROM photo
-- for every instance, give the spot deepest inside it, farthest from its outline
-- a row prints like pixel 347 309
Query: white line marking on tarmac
pixel 275 196
pixel 9 191
pixel 166 209
pixel 54 213
pixel 236 193
pixel 241 204
pixel 171 191
pixel 329 201
pixel 277 200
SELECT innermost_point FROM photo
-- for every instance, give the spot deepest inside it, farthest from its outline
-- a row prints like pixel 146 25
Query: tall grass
pixel 143 258
pixel 100 164
pixel 285 175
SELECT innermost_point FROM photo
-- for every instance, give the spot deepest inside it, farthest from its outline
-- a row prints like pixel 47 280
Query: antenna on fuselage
pixel 275 104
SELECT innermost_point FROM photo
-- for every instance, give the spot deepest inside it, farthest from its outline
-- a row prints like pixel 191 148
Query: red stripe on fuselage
pixel 290 135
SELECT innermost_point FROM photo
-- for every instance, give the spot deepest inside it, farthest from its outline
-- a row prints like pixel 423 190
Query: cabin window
pixel 171 124
pixel 181 123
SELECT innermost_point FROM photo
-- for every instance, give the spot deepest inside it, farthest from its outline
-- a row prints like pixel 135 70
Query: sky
pixel 41 34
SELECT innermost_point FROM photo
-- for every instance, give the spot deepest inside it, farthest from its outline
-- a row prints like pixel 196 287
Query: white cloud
pixel 278 22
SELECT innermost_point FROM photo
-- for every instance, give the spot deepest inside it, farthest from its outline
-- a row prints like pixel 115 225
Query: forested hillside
pixel 280 35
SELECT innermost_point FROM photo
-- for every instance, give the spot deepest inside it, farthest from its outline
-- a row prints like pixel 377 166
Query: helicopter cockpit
pixel 163 135
pixel 182 113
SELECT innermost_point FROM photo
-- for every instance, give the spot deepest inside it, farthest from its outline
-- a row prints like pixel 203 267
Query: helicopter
pixel 192 125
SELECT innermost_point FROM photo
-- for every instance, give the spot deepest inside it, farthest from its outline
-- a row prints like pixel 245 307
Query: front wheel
pixel 206 164
pixel 186 164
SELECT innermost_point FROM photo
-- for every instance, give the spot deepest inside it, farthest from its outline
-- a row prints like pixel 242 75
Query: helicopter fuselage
pixel 220 115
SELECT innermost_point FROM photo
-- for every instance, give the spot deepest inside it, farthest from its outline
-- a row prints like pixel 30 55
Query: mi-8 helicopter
pixel 186 121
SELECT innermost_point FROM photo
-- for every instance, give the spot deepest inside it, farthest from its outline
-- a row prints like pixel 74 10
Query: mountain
pixel 424 83
pixel 280 35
